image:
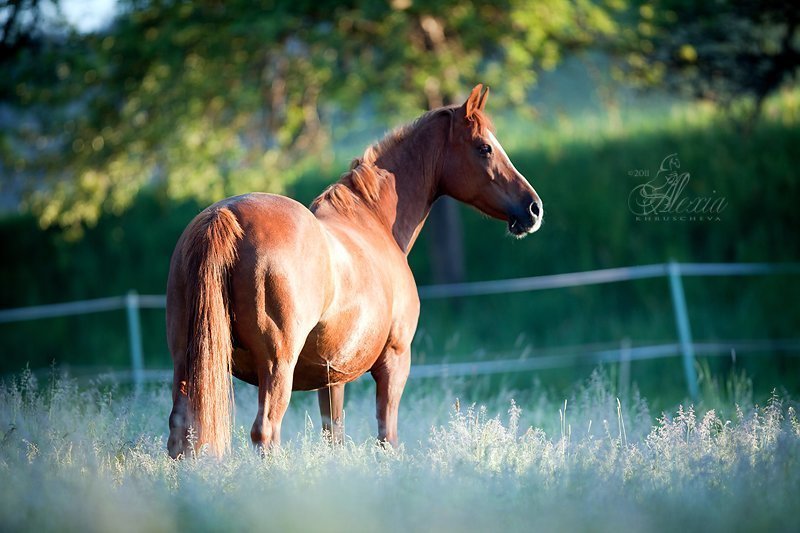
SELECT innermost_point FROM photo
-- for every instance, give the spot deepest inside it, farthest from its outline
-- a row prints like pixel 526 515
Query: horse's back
pixel 270 216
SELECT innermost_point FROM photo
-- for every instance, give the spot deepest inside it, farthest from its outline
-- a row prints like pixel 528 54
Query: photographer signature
pixel 662 197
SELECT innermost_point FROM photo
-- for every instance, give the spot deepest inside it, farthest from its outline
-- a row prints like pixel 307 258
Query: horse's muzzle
pixel 525 220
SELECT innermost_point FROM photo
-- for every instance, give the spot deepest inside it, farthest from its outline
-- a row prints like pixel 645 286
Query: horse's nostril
pixel 534 208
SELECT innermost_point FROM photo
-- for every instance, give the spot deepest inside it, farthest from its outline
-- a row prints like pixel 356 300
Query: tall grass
pixel 94 459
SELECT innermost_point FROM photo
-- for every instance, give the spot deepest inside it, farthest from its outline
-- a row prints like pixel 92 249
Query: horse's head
pixel 477 171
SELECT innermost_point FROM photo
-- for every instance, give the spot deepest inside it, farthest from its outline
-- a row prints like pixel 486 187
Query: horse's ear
pixel 484 97
pixel 473 102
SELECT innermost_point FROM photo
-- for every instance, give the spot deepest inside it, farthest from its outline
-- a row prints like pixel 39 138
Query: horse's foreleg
pixel 274 391
pixel 331 408
pixel 390 374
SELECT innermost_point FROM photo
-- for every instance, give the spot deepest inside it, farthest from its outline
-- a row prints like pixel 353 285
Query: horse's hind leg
pixel 274 392
pixel 331 407
pixel 274 347
pixel 180 417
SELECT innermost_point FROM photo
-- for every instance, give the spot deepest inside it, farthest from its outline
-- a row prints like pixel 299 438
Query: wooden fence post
pixel 684 331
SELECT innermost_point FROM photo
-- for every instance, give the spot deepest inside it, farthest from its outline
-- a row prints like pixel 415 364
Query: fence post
pixel 684 331
pixel 135 338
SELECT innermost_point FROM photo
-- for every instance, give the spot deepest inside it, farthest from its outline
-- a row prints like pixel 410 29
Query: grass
pixel 94 459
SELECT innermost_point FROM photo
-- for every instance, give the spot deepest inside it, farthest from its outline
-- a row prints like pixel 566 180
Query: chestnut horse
pixel 289 298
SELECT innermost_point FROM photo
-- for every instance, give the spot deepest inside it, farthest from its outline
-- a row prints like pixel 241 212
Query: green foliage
pixel 123 251
pixel 206 99
pixel 724 50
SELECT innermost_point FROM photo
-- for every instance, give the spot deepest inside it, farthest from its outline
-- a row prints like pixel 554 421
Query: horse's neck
pixel 409 191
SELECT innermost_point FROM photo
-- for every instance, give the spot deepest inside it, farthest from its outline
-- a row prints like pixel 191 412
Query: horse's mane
pixel 363 182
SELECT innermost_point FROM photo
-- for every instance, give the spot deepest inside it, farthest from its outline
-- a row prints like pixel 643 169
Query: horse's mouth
pixel 519 228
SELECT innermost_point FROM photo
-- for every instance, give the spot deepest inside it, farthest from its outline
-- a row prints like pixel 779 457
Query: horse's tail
pixel 209 251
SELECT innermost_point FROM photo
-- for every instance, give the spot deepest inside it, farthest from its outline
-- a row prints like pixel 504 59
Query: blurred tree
pixel 21 26
pixel 203 100
pixel 722 50
pixel 208 99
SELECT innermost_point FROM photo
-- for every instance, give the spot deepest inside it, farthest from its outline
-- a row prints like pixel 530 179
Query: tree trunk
pixel 446 242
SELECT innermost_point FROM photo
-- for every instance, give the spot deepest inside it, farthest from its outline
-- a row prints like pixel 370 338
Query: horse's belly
pixel 243 367
pixel 316 369
pixel 339 353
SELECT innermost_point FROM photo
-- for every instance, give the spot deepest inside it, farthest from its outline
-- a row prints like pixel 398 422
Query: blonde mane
pixel 363 182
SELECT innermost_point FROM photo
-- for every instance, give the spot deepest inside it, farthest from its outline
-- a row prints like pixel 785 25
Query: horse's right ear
pixel 474 101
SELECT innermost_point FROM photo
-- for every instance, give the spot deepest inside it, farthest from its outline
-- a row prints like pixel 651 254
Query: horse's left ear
pixel 474 101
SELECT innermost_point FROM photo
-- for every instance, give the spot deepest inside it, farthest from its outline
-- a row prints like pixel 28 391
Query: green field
pixel 94 459
pixel 580 166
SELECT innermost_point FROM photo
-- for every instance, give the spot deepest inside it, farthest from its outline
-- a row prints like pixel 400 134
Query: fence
pixel 685 347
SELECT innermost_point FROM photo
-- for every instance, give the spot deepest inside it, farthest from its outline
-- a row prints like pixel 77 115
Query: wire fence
pixel 685 348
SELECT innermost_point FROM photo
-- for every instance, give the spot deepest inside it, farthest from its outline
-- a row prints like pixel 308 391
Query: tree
pixel 21 24
pixel 722 51
pixel 198 99
pixel 208 99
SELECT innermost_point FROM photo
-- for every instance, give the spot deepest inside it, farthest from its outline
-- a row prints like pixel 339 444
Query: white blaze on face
pixel 498 148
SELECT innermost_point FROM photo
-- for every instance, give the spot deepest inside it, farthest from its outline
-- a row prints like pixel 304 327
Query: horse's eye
pixel 485 150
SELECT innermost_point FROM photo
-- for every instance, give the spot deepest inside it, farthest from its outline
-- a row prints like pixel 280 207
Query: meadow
pixel 93 459
pixel 579 165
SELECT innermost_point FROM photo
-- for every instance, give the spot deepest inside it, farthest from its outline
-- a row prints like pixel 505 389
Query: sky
pixel 88 15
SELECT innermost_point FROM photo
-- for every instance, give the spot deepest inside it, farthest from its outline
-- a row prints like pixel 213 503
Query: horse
pixel 289 298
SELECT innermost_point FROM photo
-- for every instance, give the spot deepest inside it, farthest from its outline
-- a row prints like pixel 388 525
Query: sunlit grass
pixel 94 459
pixel 554 132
